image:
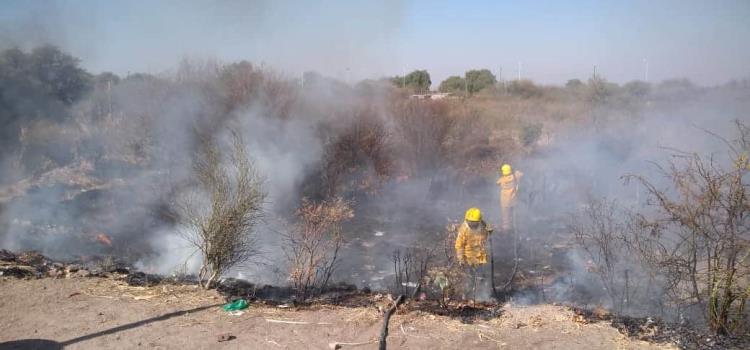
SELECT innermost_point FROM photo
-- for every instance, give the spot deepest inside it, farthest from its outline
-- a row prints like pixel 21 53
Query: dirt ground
pixel 100 313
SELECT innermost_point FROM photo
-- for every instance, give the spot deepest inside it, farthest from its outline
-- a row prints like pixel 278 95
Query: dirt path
pixel 97 313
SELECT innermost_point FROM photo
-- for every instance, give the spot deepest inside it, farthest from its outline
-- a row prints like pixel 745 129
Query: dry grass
pixel 191 295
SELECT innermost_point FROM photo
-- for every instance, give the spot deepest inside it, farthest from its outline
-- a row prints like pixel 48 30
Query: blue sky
pixel 706 41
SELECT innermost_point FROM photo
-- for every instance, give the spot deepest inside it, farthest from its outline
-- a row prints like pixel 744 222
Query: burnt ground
pixel 97 313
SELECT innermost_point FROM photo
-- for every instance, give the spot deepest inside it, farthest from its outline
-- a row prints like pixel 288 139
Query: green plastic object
pixel 441 281
pixel 236 305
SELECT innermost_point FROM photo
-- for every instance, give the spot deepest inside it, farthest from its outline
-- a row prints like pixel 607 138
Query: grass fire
pixel 266 175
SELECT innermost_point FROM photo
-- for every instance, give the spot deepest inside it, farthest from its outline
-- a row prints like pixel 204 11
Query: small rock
pixel 7 256
pixel 55 273
pixel 96 272
pixel 225 337
pixel 72 268
pixel 82 273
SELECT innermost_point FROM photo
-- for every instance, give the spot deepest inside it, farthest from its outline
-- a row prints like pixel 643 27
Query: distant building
pixel 432 96
pixel 442 95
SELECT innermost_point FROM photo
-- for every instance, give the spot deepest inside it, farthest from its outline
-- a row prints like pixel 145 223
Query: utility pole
pixel 594 71
pixel 520 65
pixel 109 96
pixel 500 78
pixel 466 85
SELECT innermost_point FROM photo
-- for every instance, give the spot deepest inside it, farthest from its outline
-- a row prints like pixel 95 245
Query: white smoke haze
pixel 121 156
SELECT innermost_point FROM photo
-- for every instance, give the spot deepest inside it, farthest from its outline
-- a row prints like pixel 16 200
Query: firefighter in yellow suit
pixel 508 183
pixel 471 248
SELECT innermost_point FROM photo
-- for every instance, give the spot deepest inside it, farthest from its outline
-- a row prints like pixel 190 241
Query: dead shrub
pixel 524 89
pixel 312 244
pixel 600 233
pixel 241 83
pixel 450 278
pixel 469 144
pixel 410 270
pixel 221 214
pixel 699 235
pixel 422 129
pixel 360 157
pixel 278 95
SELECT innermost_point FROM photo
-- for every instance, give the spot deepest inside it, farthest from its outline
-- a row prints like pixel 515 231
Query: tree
pixel 676 89
pixel 59 73
pixel 223 211
pixel 418 81
pixel 397 81
pixel 600 91
pixel 241 82
pixel 574 84
pixel 36 87
pixel 524 88
pixel 477 80
pixel 454 84
pixel 638 89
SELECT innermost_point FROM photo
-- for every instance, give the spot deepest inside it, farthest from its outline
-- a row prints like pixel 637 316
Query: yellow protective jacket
pixel 471 245
pixel 509 189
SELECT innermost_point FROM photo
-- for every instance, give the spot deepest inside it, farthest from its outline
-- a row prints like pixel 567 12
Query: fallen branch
pixel 386 319
pixel 295 322
pixel 338 345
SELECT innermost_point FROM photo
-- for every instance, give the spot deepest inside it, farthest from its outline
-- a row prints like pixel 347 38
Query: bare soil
pixel 102 313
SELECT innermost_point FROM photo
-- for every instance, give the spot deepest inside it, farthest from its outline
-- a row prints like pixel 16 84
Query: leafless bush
pixel 700 236
pixel 449 278
pixel 422 128
pixel 359 157
pixel 469 146
pixel 600 233
pixel 241 82
pixel 525 89
pixel 410 269
pixel 312 244
pixel 278 95
pixel 221 215
pixel 107 264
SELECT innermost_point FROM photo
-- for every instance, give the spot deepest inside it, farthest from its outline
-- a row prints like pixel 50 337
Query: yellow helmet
pixel 506 169
pixel 473 214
